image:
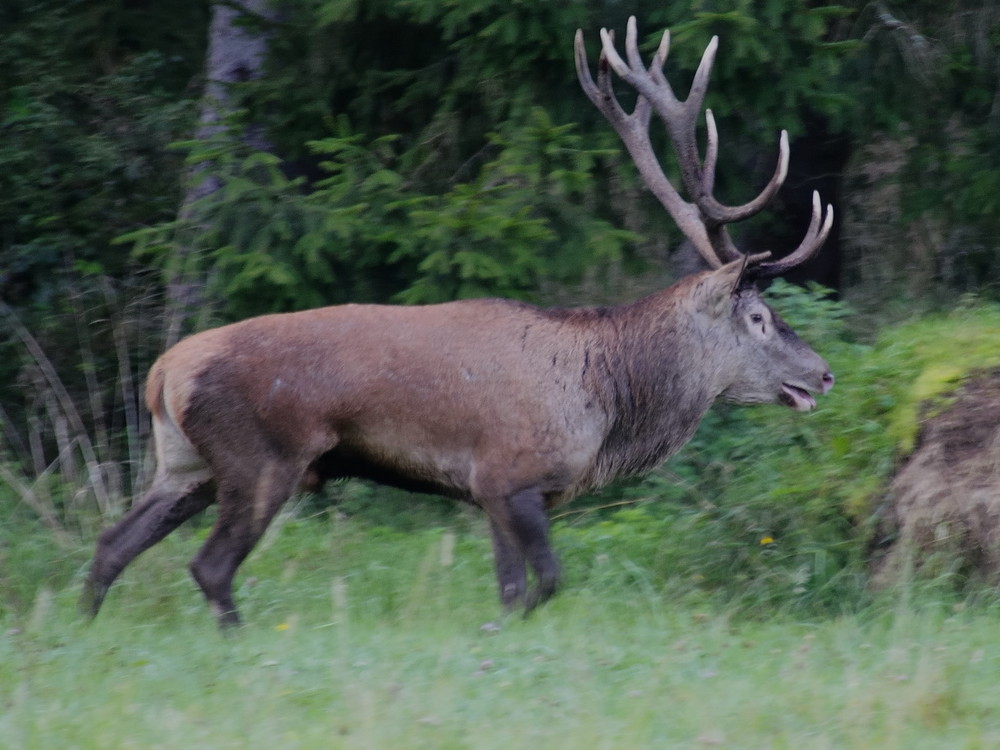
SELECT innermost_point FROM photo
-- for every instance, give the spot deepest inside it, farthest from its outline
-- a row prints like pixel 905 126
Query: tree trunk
pixel 236 53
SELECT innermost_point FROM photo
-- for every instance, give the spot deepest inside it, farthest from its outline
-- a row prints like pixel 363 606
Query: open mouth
pixel 797 398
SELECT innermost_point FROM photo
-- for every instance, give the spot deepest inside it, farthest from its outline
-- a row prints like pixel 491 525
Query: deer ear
pixel 715 291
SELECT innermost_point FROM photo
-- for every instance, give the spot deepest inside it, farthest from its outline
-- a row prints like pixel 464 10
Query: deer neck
pixel 662 381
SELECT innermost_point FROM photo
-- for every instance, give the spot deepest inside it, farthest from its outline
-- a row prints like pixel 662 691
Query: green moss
pixel 936 356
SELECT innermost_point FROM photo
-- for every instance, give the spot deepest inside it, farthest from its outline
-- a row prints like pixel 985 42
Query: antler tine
pixel 634 73
pixel 703 220
pixel 633 129
pixel 717 212
pixel 724 246
pixel 587 81
pixel 601 93
pixel 656 65
pixel 632 45
pixel 700 83
pixel 815 237
pixel 678 117
pixel 711 154
pixel 583 68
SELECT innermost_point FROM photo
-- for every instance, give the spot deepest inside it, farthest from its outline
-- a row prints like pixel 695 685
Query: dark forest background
pixel 414 151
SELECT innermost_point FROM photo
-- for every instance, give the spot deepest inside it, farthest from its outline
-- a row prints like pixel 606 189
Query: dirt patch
pixel 943 506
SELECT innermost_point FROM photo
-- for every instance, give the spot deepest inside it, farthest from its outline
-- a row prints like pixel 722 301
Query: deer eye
pixel 756 318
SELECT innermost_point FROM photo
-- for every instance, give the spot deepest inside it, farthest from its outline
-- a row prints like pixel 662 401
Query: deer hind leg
pixel 164 507
pixel 526 541
pixel 246 507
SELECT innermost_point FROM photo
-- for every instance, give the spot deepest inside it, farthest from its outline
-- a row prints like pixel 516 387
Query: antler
pixel 703 220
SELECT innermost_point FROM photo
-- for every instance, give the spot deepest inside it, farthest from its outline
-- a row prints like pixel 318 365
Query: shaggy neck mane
pixel 658 382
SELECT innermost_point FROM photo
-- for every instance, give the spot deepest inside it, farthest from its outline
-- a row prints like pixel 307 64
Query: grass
pixel 367 637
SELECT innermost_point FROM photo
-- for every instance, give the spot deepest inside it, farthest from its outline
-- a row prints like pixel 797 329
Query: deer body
pixel 431 397
pixel 468 398
pixel 508 406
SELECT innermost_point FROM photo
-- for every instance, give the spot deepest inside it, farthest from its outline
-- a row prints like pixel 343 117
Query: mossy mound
pixel 940 513
pixel 942 509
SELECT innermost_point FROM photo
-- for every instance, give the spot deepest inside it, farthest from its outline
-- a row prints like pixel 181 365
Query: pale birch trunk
pixel 236 53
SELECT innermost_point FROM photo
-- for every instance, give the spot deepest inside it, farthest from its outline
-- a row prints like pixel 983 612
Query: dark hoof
pixel 92 598
pixel 229 621
pixel 538 596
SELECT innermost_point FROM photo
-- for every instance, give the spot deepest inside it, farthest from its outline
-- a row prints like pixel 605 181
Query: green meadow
pixel 365 636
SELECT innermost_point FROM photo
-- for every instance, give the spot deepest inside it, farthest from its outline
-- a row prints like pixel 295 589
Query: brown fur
pixel 511 407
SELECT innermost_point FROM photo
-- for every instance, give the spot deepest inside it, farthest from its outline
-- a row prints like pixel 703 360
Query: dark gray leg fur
pixel 161 510
pixel 245 510
pixel 524 538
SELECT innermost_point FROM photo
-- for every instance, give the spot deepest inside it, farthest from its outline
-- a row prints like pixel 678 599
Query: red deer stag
pixel 511 407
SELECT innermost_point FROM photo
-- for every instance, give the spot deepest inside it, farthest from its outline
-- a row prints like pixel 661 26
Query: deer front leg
pixel 530 526
pixel 520 529
pixel 510 568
